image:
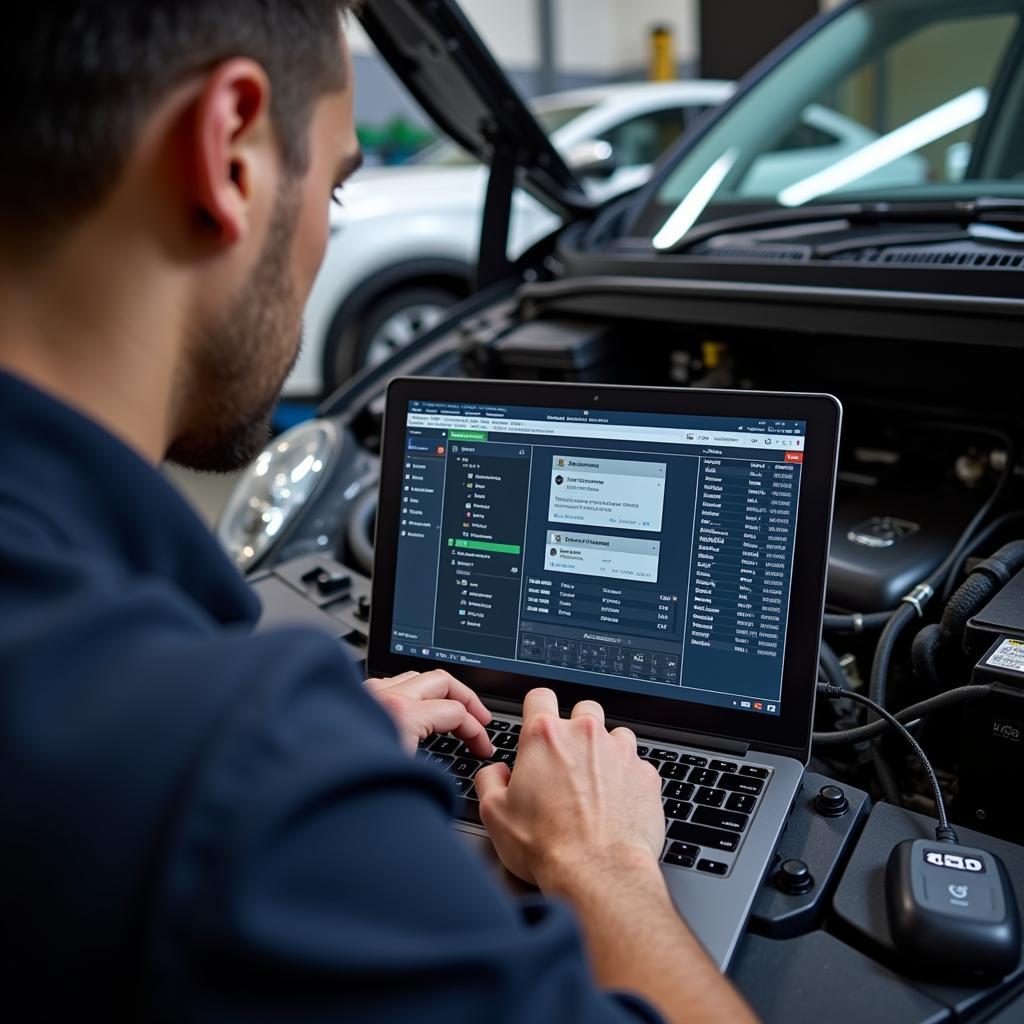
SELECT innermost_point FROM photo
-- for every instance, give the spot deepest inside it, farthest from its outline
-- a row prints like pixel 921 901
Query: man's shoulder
pixel 122 702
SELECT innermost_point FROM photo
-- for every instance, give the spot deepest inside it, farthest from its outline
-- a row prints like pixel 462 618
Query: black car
pixel 892 278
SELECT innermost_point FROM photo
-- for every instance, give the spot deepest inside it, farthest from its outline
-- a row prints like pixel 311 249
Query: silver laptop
pixel 662 551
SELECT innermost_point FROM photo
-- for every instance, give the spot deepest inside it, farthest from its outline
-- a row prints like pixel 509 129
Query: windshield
pixel 892 100
pixel 448 154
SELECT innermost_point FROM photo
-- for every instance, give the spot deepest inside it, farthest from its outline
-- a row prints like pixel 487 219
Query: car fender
pixel 368 258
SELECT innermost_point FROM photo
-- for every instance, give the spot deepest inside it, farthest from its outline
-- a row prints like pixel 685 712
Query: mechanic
pixel 199 823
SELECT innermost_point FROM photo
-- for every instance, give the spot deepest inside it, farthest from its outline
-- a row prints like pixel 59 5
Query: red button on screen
pixel 794 456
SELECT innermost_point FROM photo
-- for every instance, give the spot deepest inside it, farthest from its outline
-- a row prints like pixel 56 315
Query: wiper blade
pixel 963 213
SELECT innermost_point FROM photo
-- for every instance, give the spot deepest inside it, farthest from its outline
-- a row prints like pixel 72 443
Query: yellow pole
pixel 662 64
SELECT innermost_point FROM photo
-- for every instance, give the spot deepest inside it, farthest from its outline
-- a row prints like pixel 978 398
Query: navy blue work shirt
pixel 201 824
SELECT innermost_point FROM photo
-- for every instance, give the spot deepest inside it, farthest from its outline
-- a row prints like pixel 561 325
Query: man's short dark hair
pixel 77 80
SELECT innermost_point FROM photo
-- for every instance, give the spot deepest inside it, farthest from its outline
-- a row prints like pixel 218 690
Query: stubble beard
pixel 239 365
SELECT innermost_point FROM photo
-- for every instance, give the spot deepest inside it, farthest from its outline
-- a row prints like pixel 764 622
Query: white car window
pixel 640 140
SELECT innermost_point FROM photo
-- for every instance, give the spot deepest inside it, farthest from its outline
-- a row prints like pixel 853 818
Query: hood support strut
pixel 493 263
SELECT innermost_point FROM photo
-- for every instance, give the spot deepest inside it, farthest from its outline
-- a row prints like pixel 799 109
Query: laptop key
pixel 709 797
pixel 742 802
pixel 733 821
pixel 446 745
pixel 694 759
pixel 664 755
pixel 703 835
pixel 754 772
pixel 650 760
pixel 702 776
pixel 681 854
pixel 677 809
pixel 443 761
pixel 677 790
pixel 673 770
pixel 462 786
pixel 506 756
pixel 712 867
pixel 505 741
pixel 740 784
pixel 516 728
pixel 466 767
pixel 723 766
pixel 500 726
pixel 643 751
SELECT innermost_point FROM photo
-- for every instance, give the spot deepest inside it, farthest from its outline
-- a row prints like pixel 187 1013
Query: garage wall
pixel 596 41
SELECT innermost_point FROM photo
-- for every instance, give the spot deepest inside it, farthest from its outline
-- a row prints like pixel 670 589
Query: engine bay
pixel 929 488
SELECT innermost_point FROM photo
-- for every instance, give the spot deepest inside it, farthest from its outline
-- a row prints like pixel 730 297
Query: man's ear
pixel 233 153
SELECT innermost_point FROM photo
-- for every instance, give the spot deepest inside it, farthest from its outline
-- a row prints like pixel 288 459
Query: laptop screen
pixel 649 553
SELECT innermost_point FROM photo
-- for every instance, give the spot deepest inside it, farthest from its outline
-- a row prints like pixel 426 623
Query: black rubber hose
pixel 877 690
pixel 924 654
pixel 975 592
pixel 940 702
pixel 983 584
pixel 856 623
pixel 830 667
pixel 977 542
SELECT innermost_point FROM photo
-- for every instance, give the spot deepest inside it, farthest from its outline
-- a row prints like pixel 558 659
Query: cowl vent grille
pixel 757 252
pixel 969 259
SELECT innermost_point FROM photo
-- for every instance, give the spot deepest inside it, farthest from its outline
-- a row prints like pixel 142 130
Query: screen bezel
pixel 789 732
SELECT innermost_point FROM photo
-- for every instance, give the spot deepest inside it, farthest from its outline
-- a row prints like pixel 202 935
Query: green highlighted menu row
pixel 467 435
pixel 485 545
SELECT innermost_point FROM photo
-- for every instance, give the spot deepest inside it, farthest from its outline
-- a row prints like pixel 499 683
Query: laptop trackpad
pixel 482 845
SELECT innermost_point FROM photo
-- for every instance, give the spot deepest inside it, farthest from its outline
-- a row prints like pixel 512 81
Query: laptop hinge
pixel 738 748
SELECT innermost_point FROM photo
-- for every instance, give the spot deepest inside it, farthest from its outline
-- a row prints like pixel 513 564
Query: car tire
pixel 386 325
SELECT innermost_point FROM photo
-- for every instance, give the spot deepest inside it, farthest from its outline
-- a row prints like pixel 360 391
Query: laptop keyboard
pixel 708 801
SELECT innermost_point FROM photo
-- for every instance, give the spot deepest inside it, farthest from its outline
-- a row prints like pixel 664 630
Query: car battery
pixel 992 735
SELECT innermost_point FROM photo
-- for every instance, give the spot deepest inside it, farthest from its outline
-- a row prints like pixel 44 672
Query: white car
pixel 404 244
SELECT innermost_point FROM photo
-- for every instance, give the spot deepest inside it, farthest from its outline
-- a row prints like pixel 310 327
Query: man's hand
pixel 422 703
pixel 581 817
pixel 578 794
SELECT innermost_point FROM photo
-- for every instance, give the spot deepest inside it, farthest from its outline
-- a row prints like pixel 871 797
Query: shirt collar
pixel 92 491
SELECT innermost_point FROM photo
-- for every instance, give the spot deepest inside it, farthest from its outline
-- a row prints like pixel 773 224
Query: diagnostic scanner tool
pixel 952 908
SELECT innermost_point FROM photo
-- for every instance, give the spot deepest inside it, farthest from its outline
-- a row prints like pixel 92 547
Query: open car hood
pixel 443 62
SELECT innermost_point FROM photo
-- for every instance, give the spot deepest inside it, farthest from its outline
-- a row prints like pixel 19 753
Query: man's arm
pixel 581 817
pixel 312 874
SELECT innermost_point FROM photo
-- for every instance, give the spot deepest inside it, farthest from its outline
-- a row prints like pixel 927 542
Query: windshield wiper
pixel 963 213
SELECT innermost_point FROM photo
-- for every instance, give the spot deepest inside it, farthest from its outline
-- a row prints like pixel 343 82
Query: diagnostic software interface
pixel 644 552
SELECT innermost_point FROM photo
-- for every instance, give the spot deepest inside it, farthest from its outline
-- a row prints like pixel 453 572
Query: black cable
pixel 951 698
pixel 944 833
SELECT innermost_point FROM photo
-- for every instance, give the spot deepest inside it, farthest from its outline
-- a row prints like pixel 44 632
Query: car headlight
pixel 273 489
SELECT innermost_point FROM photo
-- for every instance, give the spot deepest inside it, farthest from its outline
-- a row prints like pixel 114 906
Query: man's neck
pixel 90 334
